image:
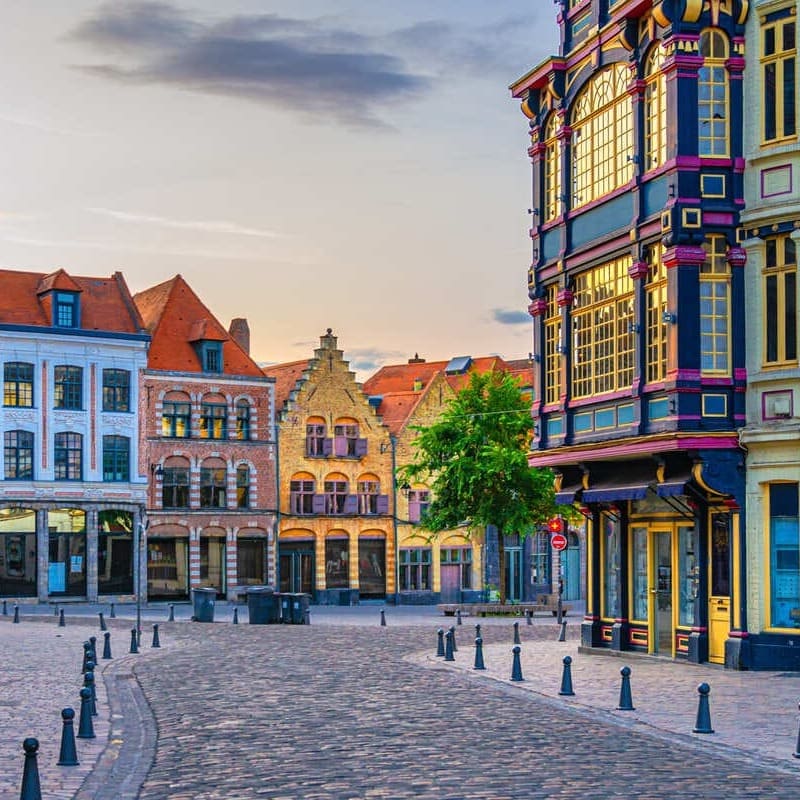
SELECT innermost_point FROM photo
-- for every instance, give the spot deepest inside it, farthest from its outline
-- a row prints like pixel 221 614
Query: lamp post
pixel 139 549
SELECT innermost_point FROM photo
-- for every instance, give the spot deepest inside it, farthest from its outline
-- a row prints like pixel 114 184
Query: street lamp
pixel 139 549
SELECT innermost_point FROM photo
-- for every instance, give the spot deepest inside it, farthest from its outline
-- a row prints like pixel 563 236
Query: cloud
pixel 208 226
pixel 369 359
pixel 508 316
pixel 305 66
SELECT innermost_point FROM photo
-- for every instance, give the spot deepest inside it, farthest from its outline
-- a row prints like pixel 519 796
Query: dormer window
pixel 66 310
pixel 211 356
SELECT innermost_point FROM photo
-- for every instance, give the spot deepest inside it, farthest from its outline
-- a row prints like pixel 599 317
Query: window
pixel 345 439
pixel 778 56
pixel 337 564
pixel 712 95
pixel 602 136
pixel 714 307
pixel 18 454
pixel 115 552
pixel 418 502
pixel 65 310
pixel 655 110
pixel 602 352
pixel 784 575
pixel 541 560
pixel 175 487
pixel 116 390
pixel 301 497
pixel 68 388
pixel 18 384
pixel 242 420
pixel 415 569
pixel 116 458
pixel 551 167
pixel 552 343
pixel 368 492
pixel 211 356
pixel 315 439
pixel 68 457
pixel 656 304
pixel 243 486
pixel 461 556
pixel 176 419
pixel 213 483
pixel 213 421
pixel 335 497
pixel 610 544
pixel 780 299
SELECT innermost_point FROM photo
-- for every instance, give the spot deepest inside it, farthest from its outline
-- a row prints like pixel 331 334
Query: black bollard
pixel 156 642
pixel 107 646
pixel 448 648
pixel 112 615
pixel 88 682
pixel 458 617
pixel 383 618
pixel 528 617
pixel 103 626
pixel 134 641
pixel 85 724
pixel 625 698
pixel 703 722
pixel 171 613
pixel 479 654
pixel 235 616
pixel 440 643
pixel 453 631
pixel 16 613
pixel 566 677
pixel 796 753
pixel 307 620
pixel 477 631
pixel 5 608
pixel 87 656
pixel 31 789
pixel 61 623
pixel 93 645
pixel 67 755
pixel 516 667
pixel 517 640
pixel 562 634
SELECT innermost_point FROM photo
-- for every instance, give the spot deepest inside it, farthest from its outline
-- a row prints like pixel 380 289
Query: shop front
pixel 168 563
pixel 212 560
pixel 17 552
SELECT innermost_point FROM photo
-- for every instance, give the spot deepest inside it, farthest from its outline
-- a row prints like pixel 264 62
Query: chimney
pixel 240 333
pixel 416 359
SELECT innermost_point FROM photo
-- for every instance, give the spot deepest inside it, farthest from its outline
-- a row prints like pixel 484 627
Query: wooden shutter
pixel 383 504
pixel 327 447
pixel 350 504
pixel 361 448
pixel 413 510
pixel 318 504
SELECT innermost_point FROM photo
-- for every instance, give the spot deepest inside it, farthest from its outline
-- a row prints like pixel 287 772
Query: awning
pixel 566 496
pixel 608 494
pixel 670 488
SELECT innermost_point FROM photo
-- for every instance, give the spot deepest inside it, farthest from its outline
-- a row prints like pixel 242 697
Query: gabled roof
pixel 286 377
pixel 174 315
pixel 106 303
pixel 396 408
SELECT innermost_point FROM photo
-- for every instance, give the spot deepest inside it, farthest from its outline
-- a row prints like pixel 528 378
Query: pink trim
pixel 716 381
pixel 683 254
pixel 565 297
pixel 738 634
pixel 737 256
pixel 688 200
pixel 600 398
pixel 540 77
pixel 648 388
pixel 537 308
pixel 638 270
pixel 717 218
pixel 740 374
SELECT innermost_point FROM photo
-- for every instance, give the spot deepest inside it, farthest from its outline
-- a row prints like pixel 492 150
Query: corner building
pixel 637 296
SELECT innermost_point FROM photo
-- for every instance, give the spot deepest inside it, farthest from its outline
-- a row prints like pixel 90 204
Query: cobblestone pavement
pixel 337 711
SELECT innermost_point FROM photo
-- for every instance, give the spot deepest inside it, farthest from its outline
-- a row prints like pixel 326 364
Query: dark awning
pixel 671 488
pixel 567 495
pixel 610 493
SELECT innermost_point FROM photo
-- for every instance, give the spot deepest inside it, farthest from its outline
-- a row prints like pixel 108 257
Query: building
pixel 208 448
pixel 770 235
pixel 337 539
pixel 637 290
pixel 73 493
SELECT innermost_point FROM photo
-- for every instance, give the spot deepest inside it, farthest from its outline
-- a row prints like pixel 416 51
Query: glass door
pixel 661 616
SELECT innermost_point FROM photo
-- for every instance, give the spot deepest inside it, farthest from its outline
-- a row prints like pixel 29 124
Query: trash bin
pixel 262 605
pixel 300 604
pixel 285 604
pixel 204 599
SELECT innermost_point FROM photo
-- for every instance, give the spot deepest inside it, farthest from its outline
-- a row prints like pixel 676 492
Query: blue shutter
pixel 351 504
pixel 339 446
pixel 327 447
pixel 361 448
pixel 318 504
pixel 413 510
pixel 383 504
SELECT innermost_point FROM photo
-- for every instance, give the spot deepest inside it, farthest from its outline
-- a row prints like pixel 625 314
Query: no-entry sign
pixel 558 541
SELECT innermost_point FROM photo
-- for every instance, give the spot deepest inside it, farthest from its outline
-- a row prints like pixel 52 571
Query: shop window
pixel 784 535
pixel 68 457
pixel 780 299
pixel 116 390
pixel 641 591
pixel 250 557
pixel 18 384
pixel 68 388
pixel 18 455
pixel 462 557
pixel 115 552
pixel 415 569
pixel 337 564
pixel 372 567
pixel 116 458
pixel 612 566
pixel 18 552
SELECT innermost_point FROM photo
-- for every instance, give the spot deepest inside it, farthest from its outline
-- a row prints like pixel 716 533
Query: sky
pixel 307 164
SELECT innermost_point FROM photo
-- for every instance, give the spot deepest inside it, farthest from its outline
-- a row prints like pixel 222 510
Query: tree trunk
pixel 501 555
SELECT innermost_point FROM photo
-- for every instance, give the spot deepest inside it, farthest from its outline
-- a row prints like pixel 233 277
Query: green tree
pixel 474 459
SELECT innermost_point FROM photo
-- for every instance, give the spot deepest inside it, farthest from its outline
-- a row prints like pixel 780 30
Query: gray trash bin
pixel 204 599
pixel 262 607
pixel 285 605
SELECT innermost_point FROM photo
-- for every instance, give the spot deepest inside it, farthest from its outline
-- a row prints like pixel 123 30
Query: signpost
pixel 558 541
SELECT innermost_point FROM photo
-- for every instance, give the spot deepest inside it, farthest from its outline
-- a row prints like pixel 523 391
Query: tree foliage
pixel 474 459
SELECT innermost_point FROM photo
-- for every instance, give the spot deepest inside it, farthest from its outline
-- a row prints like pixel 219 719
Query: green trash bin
pixel 262 608
pixel 204 599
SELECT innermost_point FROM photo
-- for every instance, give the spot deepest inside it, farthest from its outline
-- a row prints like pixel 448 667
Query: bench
pixel 498 609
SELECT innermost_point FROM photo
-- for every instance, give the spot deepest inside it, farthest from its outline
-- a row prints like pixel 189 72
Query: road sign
pixel 558 541
pixel 555 525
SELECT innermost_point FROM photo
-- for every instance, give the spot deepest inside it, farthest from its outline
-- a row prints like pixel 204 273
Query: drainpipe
pixel 277 506
pixel 393 442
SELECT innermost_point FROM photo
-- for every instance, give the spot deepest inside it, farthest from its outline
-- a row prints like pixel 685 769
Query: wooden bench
pixel 498 609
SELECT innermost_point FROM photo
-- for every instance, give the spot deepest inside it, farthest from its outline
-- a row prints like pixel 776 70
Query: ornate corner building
pixel 637 292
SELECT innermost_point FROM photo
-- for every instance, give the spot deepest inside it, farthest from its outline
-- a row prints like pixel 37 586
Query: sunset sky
pixel 352 164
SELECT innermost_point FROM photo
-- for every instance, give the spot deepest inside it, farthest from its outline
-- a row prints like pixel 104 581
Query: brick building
pixel 207 443
pixel 336 533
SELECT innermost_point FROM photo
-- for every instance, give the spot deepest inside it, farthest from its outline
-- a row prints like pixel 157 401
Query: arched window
pixel 213 483
pixel 712 95
pixel 176 415
pixel 602 131
pixel 213 417
pixel 175 483
pixel 242 420
pixel 369 489
pixel 336 497
pixel 301 493
pixel 243 486
pixel 715 276
pixel 551 167
pixel 655 110
pixel 316 443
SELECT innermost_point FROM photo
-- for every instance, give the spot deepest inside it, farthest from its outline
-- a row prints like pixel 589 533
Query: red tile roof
pixel 286 377
pixel 396 408
pixel 105 302
pixel 174 315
